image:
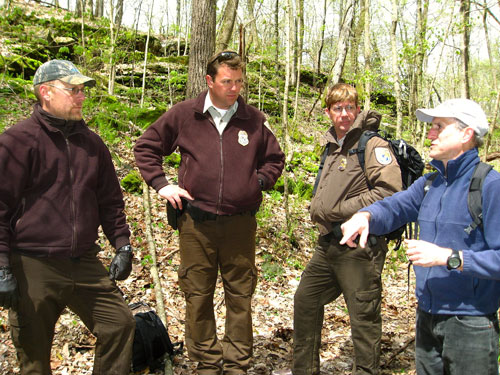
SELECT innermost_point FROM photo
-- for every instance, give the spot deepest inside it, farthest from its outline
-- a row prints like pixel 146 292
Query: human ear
pixel 468 135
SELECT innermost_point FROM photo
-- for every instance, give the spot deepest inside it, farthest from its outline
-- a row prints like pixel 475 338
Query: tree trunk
pixel 90 7
pixel 99 8
pixel 80 8
pixel 112 40
pixel 146 55
pixel 342 45
pixel 160 306
pixel 284 114
pixel 83 33
pixel 227 25
pixel 367 53
pixel 254 36
pixel 178 21
pixel 395 67
pixel 277 33
pixel 321 39
pixel 464 16
pixel 119 13
pixel 494 72
pixel 202 44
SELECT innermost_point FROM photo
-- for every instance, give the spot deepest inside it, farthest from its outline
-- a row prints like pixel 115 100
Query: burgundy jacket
pixel 221 172
pixel 56 191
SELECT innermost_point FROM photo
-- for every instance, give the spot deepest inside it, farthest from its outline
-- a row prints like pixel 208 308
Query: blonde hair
pixel 341 92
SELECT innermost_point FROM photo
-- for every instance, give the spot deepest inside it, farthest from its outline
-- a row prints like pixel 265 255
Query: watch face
pixel 454 262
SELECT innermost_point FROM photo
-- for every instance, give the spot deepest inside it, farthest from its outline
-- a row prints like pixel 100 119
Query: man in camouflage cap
pixel 61 70
pixel 59 185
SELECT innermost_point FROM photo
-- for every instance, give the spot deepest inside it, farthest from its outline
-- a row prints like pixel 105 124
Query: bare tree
pixel 119 13
pixel 277 33
pixel 227 25
pixel 322 38
pixel 367 53
pixel 494 72
pixel 178 22
pixel 254 36
pixel 395 67
pixel 202 44
pixel 342 44
pixel 80 8
pixel 465 28
pixel 284 114
pixel 146 55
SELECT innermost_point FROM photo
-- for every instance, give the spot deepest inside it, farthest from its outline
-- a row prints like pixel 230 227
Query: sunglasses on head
pixel 223 56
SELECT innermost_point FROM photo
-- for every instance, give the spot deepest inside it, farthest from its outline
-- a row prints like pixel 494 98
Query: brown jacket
pixel 221 172
pixel 343 188
pixel 57 191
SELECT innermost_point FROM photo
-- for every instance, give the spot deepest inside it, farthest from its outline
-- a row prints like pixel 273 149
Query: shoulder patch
pixel 383 155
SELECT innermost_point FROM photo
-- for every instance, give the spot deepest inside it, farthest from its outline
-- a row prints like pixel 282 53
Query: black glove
pixel 8 288
pixel 121 265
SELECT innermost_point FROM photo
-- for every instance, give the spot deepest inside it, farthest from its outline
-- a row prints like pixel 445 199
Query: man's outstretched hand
pixel 357 225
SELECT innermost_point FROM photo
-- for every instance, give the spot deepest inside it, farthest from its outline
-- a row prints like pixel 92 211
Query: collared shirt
pixel 220 116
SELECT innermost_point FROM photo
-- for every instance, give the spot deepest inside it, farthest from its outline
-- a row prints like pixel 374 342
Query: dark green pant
pixel 332 271
pixel 46 287
pixel 226 244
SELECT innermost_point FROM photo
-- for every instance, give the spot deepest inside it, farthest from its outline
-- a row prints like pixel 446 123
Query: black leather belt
pixel 197 214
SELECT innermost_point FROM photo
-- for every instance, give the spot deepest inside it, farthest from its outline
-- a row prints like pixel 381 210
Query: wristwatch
pixel 454 261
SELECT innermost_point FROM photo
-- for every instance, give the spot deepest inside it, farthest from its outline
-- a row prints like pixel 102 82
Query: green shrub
pixel 132 183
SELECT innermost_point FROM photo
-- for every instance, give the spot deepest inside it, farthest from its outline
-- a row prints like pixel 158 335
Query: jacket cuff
pixel 265 181
pixel 121 241
pixel 158 183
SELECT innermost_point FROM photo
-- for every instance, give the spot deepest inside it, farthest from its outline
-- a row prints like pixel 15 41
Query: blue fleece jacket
pixel 442 215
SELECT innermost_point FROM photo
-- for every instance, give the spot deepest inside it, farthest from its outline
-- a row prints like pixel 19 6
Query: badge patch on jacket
pixel 383 155
pixel 242 138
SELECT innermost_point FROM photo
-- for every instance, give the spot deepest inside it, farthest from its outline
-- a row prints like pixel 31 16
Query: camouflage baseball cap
pixel 61 70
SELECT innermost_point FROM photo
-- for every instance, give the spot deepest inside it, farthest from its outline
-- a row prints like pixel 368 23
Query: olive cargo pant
pixel 46 287
pixel 335 270
pixel 226 243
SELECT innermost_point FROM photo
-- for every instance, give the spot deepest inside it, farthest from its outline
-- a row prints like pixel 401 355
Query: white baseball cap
pixel 465 110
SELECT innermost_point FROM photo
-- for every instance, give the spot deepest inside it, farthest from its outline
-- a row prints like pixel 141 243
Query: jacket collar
pixel 56 124
pixel 457 167
pixel 241 113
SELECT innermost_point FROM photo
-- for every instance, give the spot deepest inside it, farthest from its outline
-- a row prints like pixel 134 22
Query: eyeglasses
pixel 348 108
pixel 74 91
pixel 223 56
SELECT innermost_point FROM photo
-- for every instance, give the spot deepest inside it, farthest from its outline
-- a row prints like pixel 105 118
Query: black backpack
pixel 410 163
pixel 151 340
pixel 474 197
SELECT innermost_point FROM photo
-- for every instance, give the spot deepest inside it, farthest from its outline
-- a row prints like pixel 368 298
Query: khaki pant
pixel 226 243
pixel 335 270
pixel 46 287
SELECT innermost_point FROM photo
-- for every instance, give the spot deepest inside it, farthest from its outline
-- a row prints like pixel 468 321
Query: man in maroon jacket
pixel 228 156
pixel 58 186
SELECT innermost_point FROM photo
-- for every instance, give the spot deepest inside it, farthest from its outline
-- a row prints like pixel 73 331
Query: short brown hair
pixel 341 92
pixel 229 58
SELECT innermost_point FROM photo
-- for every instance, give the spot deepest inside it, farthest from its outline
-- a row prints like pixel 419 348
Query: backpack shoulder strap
pixel 320 169
pixel 429 181
pixel 363 140
pixel 474 198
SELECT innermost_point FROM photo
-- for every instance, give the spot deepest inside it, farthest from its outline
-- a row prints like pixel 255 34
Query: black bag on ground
pixel 151 340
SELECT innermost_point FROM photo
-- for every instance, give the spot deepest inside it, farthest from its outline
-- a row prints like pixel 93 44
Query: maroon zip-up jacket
pixel 221 172
pixel 56 191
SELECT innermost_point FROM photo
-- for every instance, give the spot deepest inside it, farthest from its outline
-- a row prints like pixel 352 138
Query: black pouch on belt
pixel 174 213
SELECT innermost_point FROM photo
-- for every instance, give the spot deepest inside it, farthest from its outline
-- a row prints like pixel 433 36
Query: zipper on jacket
pixel 72 200
pixel 221 179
